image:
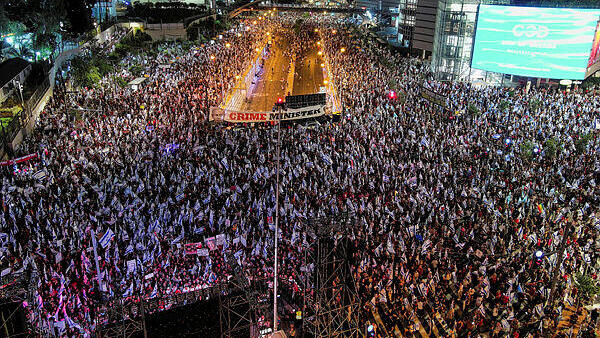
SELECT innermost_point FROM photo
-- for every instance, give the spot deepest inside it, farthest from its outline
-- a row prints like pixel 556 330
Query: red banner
pixel 19 160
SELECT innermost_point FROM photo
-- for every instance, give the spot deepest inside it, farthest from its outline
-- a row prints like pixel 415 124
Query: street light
pixel 212 57
pixel 275 275
pixel 320 53
pixel 325 82
pixel 343 50
pixel 228 45
pixel 322 65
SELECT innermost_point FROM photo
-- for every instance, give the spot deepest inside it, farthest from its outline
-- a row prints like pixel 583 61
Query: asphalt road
pixel 272 82
pixel 308 76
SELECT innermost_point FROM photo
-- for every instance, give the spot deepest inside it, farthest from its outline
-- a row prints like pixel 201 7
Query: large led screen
pixel 551 43
pixel 593 62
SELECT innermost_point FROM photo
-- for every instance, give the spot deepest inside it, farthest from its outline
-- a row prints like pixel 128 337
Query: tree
pixel 586 286
pixel 526 150
pixel 581 143
pixel 473 110
pixel 552 148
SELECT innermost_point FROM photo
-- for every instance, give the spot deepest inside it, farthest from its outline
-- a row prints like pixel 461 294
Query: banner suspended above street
pixel 224 115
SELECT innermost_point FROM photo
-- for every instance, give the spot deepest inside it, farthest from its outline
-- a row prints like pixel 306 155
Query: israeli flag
pixel 225 164
pixel 106 238
pixel 129 291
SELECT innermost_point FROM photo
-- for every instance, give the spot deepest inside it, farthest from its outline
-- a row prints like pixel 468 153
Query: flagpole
pixel 99 278
pixel 276 219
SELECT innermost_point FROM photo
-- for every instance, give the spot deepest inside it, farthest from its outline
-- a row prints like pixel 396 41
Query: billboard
pixel 533 41
pixel 593 64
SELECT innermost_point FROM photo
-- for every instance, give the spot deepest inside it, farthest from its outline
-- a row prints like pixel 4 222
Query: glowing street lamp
pixel 237 77
pixel 318 43
pixel 334 31
pixel 228 45
pixel 239 34
pixel 316 30
pixel 320 52
pixel 343 50
pixel 322 65
pixel 212 57
pixel 325 82
pixel 257 49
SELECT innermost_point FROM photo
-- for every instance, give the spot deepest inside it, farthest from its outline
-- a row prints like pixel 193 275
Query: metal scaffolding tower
pixel 243 304
pixel 16 289
pixel 123 318
pixel 332 308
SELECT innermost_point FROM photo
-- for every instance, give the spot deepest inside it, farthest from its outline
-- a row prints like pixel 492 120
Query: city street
pixel 276 81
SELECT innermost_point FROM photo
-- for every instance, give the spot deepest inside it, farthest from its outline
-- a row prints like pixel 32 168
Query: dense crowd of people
pixel 461 213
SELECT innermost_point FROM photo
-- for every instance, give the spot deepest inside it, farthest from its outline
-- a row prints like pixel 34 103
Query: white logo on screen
pixel 530 31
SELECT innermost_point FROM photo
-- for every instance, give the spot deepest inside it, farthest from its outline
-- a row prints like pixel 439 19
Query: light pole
pixel 20 87
pixel 279 109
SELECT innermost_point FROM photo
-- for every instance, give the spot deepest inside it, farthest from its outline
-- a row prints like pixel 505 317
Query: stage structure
pixel 16 290
pixel 244 306
pixel 332 309
pixel 122 318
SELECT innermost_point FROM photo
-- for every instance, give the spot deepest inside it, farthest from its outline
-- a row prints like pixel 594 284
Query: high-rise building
pixel 453 38
pixel 104 10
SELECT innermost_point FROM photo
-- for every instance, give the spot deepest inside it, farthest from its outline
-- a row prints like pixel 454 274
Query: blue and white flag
pixel 154 292
pixel 106 238
pixel 224 162
pixel 129 291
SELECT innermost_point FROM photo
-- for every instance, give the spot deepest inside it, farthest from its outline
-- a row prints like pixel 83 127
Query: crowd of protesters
pixel 461 214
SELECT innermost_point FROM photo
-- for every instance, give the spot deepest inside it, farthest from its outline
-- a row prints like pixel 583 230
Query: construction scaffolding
pixel 244 304
pixel 15 292
pixel 331 304
pixel 122 318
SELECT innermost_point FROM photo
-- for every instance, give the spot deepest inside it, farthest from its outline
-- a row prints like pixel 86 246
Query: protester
pixel 449 211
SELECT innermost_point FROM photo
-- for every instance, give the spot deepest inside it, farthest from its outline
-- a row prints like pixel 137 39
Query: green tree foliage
pixel 587 286
pixel 504 105
pixel 85 73
pixel 120 81
pixel 526 150
pixel 473 110
pixel 552 148
pixel 582 142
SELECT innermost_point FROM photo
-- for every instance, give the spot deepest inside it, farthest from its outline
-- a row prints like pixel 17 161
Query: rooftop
pixel 11 68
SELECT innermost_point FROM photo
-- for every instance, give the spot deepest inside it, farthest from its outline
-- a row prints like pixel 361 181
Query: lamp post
pixel 279 110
